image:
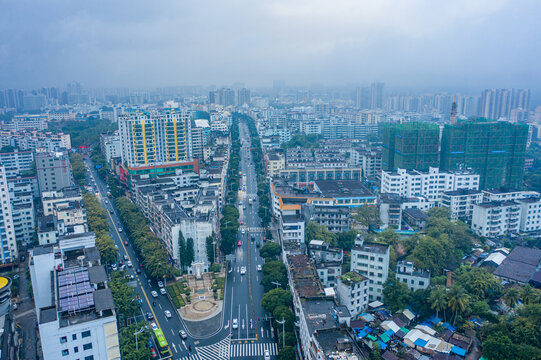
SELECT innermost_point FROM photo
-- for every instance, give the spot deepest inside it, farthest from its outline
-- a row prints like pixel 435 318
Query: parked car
pixel 153 326
pixel 150 316
pixel 153 353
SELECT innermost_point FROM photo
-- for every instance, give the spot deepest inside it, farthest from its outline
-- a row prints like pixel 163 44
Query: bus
pixel 163 347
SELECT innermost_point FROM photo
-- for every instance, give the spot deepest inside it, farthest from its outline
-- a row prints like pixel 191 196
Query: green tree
pixel 498 346
pixel 285 313
pixel 511 297
pixel 211 251
pixel 528 294
pixel 270 250
pixel 276 297
pixel 368 216
pixel 457 300
pixel 438 212
pixel 479 283
pixel 438 299
pixel 78 168
pixel 428 254
pixel 287 353
pixel 274 272
pixel 190 251
pixel 182 250
pixel 346 239
pixel 123 294
pixel 314 231
pixel 126 339
pixel 396 294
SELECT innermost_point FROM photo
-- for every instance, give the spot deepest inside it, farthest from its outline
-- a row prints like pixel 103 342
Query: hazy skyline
pixel 417 43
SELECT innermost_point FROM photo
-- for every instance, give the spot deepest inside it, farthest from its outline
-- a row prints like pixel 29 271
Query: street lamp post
pixel 276 283
pixel 137 333
pixel 283 322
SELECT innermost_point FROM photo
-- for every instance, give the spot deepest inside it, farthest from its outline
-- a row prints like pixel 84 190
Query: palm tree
pixel 510 297
pixel 527 294
pixel 438 299
pixel 457 300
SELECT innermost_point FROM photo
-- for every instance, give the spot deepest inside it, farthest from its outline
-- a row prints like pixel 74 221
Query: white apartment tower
pixel 372 261
pixel 8 243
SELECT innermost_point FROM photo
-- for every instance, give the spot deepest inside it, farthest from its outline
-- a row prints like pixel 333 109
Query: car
pixel 242 223
pixel 153 326
pixel 119 230
pixel 129 264
pixel 150 345
pixel 154 293
pixel 153 353
pixel 163 291
pixel 167 314
pixel 235 323
pixel 126 242
pixel 183 334
pixel 243 231
pixel 253 239
pixel 114 267
pixel 122 267
pixel 160 284
pixel 150 316
pixel 126 258
pixel 243 270
pixel 258 244
pixel 259 267
pixel 267 355
pixel 138 271
pixel 239 243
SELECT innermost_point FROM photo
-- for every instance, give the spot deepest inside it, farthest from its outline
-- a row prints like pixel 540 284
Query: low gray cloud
pixel 417 43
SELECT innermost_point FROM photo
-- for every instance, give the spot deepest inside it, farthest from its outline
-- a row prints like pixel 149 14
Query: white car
pixel 167 314
pixel 153 326
pixel 243 270
pixel 259 267
pixel 154 293
pixel 119 230
pixel 114 267
pixel 243 231
pixel 163 291
pixel 267 355
pixel 129 264
pixel 235 323
pixel 126 258
pixel 160 284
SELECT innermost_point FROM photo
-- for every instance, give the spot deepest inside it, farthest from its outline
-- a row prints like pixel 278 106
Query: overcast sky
pixel 459 44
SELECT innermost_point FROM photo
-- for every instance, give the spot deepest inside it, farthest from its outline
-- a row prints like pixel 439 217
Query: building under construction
pixel 493 149
pixel 412 145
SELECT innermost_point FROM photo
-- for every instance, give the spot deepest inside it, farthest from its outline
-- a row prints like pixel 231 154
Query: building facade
pixel 54 171
pixel 372 261
pixel 8 243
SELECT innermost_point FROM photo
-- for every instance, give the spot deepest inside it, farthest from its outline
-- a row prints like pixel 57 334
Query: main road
pixel 245 330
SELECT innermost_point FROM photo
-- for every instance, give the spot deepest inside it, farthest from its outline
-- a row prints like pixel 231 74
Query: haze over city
pixel 458 46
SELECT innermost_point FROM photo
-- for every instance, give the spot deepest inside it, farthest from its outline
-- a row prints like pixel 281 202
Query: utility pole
pixel 276 283
pixel 283 322
pixel 137 333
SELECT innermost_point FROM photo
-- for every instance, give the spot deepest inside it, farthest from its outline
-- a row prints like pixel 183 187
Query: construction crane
pixel 453 111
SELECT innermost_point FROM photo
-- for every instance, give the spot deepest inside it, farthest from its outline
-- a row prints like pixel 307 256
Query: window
pixel 89 357
pixel 87 346
pixel 76 349
pixel 85 334
pixel 63 339
pixel 65 352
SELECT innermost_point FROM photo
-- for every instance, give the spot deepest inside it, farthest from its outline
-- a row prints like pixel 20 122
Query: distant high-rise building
pixel 493 149
pixel 362 97
pixel 498 103
pixel 224 97
pixel 376 95
pixel 278 85
pixel 243 97
pixel 410 146
pixel 152 138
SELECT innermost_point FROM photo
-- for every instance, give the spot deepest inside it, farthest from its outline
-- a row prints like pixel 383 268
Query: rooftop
pixel 318 314
pixel 352 277
pixel 375 248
